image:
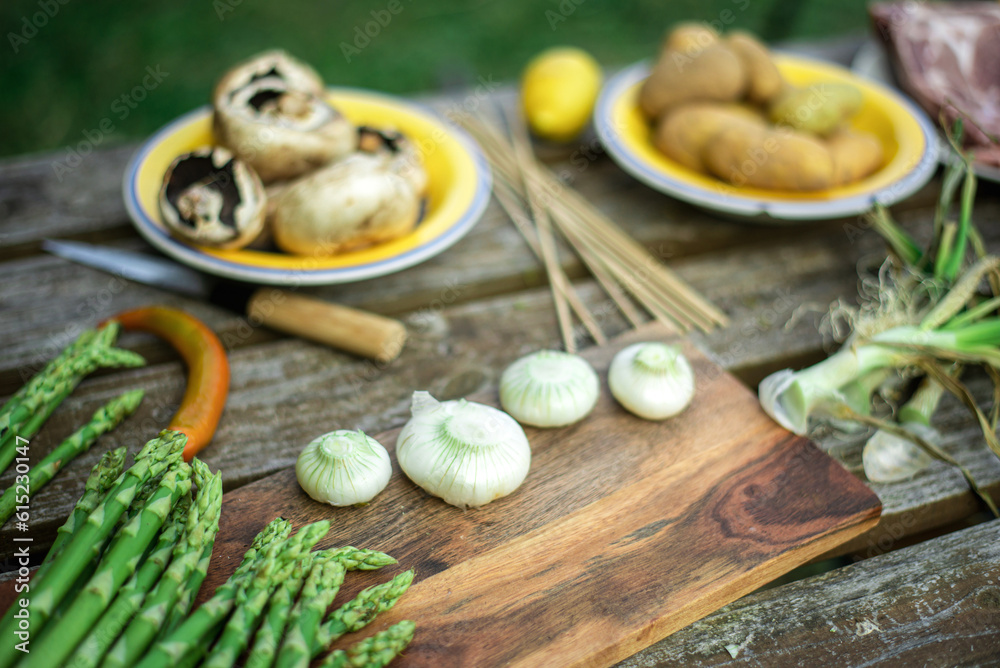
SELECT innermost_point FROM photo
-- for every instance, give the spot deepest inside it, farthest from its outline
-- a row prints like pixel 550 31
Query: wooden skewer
pixel 611 255
pixel 543 226
pixel 629 266
pixel 596 221
pixel 609 284
pixel 522 222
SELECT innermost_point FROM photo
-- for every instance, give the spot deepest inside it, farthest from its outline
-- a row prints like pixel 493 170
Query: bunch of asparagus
pixel 30 407
pixel 117 587
pixel 275 605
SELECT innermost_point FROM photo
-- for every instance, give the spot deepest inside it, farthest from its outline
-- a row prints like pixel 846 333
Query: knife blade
pixel 359 332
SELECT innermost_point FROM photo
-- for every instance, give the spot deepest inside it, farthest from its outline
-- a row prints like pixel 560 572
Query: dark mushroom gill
pixel 201 169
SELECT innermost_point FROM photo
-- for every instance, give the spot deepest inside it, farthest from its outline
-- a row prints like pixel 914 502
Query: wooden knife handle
pixel 365 334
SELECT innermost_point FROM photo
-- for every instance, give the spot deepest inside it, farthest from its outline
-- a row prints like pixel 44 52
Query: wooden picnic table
pixel 923 586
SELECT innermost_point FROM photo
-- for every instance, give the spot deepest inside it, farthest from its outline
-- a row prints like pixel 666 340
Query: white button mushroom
pixel 211 198
pixel 271 111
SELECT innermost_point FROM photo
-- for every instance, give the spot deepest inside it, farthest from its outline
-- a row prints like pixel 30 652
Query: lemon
pixel 558 90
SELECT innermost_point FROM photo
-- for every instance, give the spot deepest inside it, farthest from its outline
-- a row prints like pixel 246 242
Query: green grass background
pixel 64 80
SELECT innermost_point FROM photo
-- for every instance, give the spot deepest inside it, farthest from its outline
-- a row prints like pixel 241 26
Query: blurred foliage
pixel 66 67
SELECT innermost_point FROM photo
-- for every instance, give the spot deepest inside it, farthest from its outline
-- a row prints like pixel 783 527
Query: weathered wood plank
pixel 764 281
pixel 286 392
pixel 480 337
pixel 932 604
pixel 84 202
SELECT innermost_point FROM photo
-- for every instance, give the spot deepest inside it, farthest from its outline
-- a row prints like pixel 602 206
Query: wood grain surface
pixel 625 530
pixel 284 389
pixel 932 604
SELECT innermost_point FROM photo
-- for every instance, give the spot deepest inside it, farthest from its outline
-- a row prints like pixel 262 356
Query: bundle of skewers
pixel 542 207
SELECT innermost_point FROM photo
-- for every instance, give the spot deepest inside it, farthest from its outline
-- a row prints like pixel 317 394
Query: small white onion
pixel 549 388
pixel 466 453
pixel 890 458
pixel 651 380
pixel 343 468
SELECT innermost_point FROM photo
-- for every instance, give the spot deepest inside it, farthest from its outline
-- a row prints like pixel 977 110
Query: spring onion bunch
pixel 824 389
pixel 932 313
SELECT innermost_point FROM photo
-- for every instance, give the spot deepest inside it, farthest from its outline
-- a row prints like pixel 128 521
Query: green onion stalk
pixel 792 397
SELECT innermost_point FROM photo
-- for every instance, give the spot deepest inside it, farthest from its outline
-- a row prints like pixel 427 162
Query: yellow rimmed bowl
pixel 906 134
pixel 458 191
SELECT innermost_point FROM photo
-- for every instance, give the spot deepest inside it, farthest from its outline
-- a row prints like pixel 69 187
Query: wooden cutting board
pixel 624 531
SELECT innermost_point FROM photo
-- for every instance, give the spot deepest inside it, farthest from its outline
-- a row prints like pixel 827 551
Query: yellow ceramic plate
pixel 457 194
pixel 906 133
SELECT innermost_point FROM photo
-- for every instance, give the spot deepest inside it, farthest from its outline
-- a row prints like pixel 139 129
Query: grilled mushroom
pixel 209 197
pixel 353 202
pixel 271 112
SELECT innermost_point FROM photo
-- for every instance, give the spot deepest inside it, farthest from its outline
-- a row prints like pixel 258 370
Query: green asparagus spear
pixel 162 453
pixel 374 652
pixel 120 561
pixel 318 592
pixel 278 529
pixel 352 616
pixel 189 588
pixel 92 349
pixel 188 593
pixel 173 648
pixel 355 559
pixel 251 601
pixel 85 339
pixel 276 618
pixel 28 414
pixel 203 524
pixel 104 420
pixel 355 615
pixel 89 653
pixel 272 626
pixel 102 478
pixel 29 411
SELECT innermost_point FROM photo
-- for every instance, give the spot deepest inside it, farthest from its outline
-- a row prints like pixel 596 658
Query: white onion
pixel 890 458
pixel 549 388
pixel 343 468
pixel 466 453
pixel 651 380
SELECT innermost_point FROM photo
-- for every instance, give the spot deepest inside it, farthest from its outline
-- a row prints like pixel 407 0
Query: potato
pixel 770 158
pixel 714 74
pixel 682 133
pixel 820 108
pixel 855 155
pixel 764 81
pixel 690 37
